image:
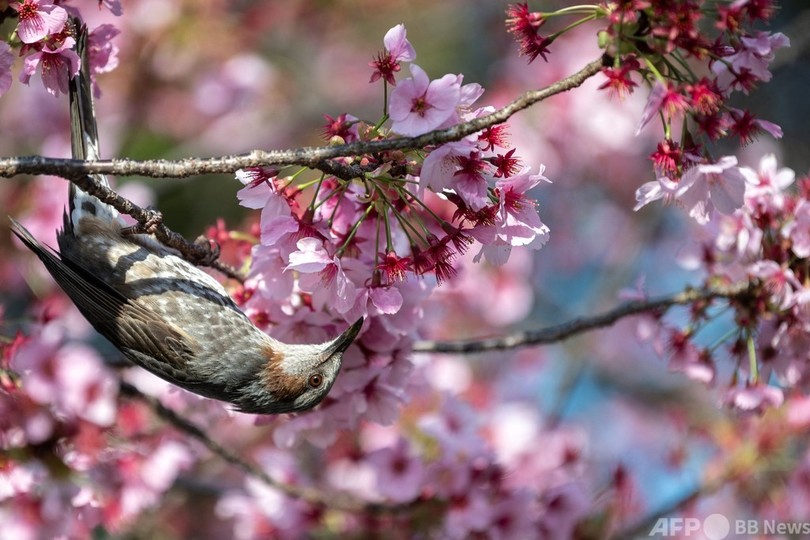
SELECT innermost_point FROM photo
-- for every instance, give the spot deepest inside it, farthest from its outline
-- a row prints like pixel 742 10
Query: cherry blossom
pixel 38 19
pixel 520 223
pixel 419 105
pixel 399 476
pixel 752 59
pixel 322 275
pixel 755 397
pixel 664 97
pixel 524 25
pixel 397 49
pixel 57 65
pixel 6 61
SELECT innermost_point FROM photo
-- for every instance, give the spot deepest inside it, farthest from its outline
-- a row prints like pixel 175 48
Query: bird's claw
pixel 154 219
pixel 208 250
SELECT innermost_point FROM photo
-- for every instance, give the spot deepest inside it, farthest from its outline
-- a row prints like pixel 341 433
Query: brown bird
pixel 165 314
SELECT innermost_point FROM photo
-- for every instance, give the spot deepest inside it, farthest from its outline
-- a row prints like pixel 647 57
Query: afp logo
pixel 714 527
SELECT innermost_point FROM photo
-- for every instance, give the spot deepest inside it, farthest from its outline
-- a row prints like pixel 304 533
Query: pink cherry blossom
pixel 87 388
pixel 780 282
pixel 38 19
pixel 310 257
pixel 443 446
pixel 496 252
pixel 469 94
pixel 322 275
pixel 663 97
pixel 799 230
pixel 563 507
pixel 162 466
pixel 739 237
pixel 419 105
pixel 690 361
pixel 754 398
pixel 768 183
pixel 752 59
pixel 102 53
pixel 399 474
pixel 514 516
pixel 259 183
pixel 710 186
pixel 661 188
pixel 396 43
pixel 279 227
pixel 6 61
pixel 470 181
pixel 519 223
pixel 441 164
pixel 470 513
pixel 387 300
pixel 397 49
pixel 344 126
pixel 58 66
pixel 267 274
pixel 455 426
pixel 71 377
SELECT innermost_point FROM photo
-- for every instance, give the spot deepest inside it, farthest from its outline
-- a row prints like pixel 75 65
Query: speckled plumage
pixel 167 315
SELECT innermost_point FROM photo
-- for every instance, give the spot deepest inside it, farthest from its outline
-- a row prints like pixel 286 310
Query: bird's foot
pixel 209 250
pixel 154 218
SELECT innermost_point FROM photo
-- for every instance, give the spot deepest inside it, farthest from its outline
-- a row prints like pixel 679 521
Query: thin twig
pixel 312 157
pixel 200 252
pixel 553 334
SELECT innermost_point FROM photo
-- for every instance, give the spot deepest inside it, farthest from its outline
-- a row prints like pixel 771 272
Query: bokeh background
pixel 215 77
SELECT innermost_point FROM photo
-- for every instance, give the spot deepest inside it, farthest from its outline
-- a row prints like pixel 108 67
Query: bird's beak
pixel 342 342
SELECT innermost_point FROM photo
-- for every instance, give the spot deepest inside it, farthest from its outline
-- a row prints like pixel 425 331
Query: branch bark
pixel 560 332
pixel 321 158
pixel 312 157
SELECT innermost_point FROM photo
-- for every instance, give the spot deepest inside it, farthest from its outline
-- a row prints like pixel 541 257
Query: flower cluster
pixel 764 242
pixel 457 481
pixel 357 247
pixel 692 75
pixel 47 41
pixel 60 417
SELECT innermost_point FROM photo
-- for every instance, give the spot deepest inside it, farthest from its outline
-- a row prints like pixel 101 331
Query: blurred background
pixel 216 77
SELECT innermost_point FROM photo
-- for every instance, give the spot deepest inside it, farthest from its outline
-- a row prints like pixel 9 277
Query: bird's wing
pixel 129 326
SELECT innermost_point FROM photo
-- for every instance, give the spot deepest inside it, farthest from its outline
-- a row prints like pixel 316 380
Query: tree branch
pixel 322 158
pixel 573 327
pixel 643 527
pixel 312 157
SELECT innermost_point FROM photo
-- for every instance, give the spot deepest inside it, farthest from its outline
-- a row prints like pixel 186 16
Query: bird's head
pixel 297 377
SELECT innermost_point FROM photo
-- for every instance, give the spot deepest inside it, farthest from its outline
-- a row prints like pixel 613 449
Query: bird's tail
pixel 84 139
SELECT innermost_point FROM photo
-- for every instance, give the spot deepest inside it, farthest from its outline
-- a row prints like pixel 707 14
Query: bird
pixel 162 312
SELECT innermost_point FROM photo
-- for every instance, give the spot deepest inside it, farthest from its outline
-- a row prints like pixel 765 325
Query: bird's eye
pixel 315 380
